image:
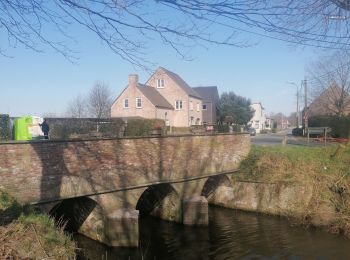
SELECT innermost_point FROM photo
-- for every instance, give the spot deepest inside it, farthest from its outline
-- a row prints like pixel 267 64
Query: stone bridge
pixel 99 187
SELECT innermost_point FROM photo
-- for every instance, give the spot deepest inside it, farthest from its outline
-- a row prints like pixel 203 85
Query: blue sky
pixel 43 83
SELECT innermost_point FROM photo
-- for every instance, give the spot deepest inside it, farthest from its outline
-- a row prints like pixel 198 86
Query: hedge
pixel 180 130
pixel 340 125
pixel 5 133
pixel 222 128
pixel 71 128
pixel 144 127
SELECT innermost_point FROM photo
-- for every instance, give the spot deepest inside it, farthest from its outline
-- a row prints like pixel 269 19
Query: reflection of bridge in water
pixel 101 186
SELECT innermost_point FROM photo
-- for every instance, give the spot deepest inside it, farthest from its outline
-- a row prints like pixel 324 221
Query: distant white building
pixel 269 123
pixel 258 121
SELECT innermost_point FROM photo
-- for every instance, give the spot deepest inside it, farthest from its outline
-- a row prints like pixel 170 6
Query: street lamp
pixel 297 110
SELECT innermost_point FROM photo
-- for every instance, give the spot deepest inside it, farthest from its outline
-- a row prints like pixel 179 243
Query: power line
pixel 325 75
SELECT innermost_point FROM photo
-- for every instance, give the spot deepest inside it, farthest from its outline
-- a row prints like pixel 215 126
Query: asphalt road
pixel 269 139
pixel 277 139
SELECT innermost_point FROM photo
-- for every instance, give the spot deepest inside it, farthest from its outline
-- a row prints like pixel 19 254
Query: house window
pixel 138 103
pixel 197 107
pixel 126 103
pixel 178 104
pixel 160 83
pixel 191 105
pixel 204 107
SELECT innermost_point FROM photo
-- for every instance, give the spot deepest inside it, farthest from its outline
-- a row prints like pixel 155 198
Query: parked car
pixel 251 131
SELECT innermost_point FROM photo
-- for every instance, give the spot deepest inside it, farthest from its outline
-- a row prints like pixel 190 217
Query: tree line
pixel 96 104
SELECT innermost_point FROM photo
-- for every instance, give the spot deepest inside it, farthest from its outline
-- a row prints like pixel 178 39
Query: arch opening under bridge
pixel 72 213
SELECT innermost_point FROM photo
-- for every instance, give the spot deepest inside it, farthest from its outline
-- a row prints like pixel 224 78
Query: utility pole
pixel 306 109
pixel 297 112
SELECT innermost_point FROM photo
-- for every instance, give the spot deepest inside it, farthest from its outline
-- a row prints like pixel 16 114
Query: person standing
pixel 45 128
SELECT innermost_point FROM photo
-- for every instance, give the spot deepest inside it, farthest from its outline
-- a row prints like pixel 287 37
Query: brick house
pixel 138 100
pixel 210 101
pixel 164 96
pixel 332 101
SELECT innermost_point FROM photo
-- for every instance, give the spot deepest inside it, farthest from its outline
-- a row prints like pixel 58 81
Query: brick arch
pixel 72 213
pixel 214 182
pixel 162 201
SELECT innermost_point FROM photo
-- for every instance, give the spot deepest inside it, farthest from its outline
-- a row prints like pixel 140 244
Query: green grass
pixel 287 163
pixel 315 167
pixel 5 201
pixel 30 234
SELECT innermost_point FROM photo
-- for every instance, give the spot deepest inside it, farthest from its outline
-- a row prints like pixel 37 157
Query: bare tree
pixel 49 115
pixel 330 82
pixel 292 119
pixel 77 108
pixel 280 120
pixel 99 100
pixel 126 26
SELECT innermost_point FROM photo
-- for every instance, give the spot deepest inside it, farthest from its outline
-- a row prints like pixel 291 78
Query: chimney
pixel 133 80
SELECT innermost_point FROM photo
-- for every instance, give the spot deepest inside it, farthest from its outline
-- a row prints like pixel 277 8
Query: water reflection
pixel 230 235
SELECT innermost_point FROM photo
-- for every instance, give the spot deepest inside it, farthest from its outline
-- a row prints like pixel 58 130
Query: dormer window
pixel 160 83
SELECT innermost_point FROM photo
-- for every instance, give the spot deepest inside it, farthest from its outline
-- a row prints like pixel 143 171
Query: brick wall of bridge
pixel 44 171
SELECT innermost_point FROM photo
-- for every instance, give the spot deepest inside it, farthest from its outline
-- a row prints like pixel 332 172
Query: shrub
pixel 5 133
pixel 237 128
pixel 297 131
pixel 144 127
pixel 222 128
pixel 66 128
pixel 340 124
pixel 180 130
pixel 198 129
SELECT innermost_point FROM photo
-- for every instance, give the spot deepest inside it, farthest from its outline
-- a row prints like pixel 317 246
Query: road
pixel 277 139
pixel 269 139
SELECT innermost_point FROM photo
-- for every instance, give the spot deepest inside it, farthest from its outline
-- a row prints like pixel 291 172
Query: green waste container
pixel 21 128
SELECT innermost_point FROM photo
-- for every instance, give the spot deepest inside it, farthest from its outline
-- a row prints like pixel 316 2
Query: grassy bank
pixel 324 170
pixel 25 234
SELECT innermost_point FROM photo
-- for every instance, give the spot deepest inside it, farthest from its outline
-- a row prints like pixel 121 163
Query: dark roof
pixel 153 95
pixel 179 81
pixel 325 103
pixel 209 93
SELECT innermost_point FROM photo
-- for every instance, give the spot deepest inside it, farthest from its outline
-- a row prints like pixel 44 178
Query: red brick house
pixel 164 96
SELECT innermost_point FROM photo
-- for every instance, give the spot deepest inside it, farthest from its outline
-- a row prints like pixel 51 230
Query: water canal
pixel 230 235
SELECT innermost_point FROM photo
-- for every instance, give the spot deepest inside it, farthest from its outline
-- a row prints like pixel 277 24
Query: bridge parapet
pixel 36 172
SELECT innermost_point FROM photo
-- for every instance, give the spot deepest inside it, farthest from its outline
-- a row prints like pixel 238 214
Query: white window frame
pixel 137 99
pixel 204 105
pixel 191 105
pixel 160 83
pixel 197 107
pixel 126 101
pixel 178 104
